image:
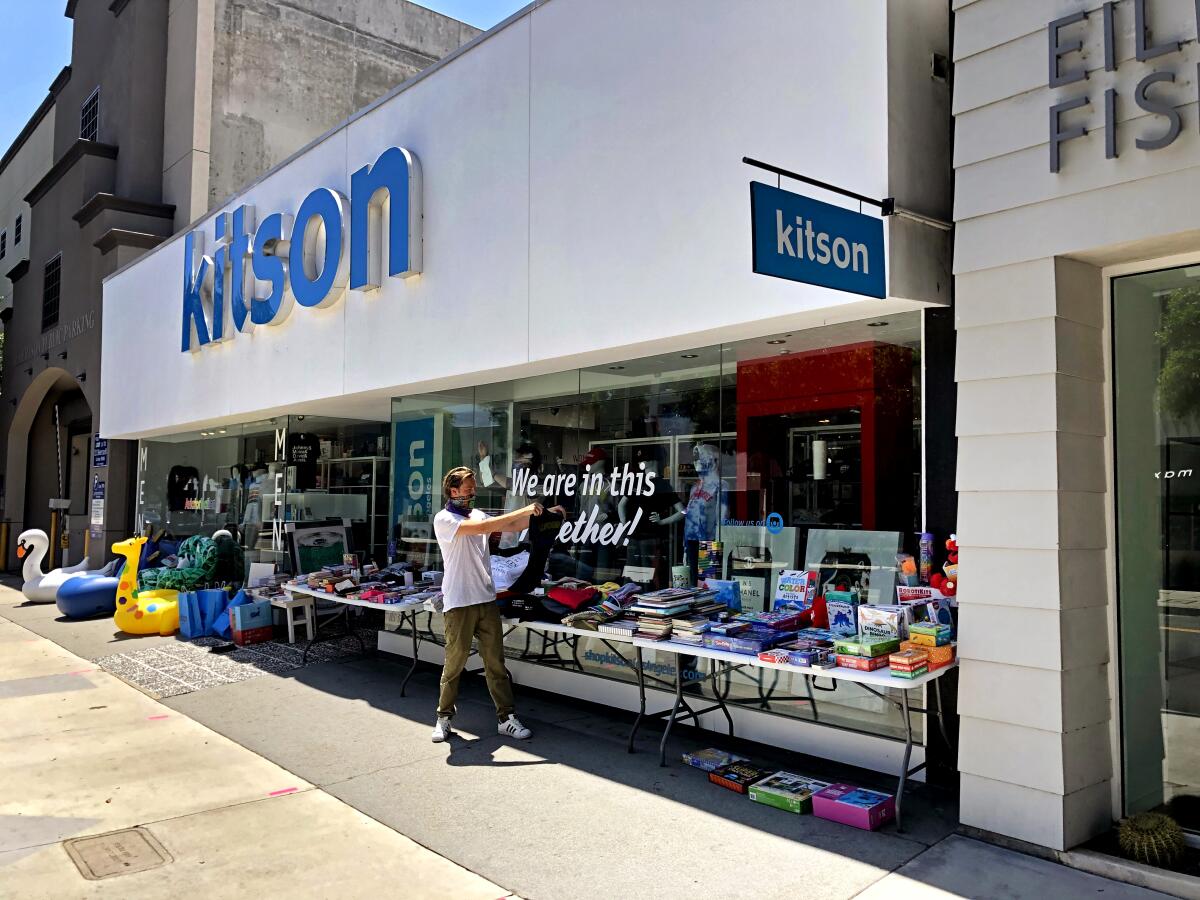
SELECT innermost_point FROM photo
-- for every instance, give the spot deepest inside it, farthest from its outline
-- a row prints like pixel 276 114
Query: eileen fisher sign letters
pixel 802 239
pixel 1081 40
pixel 306 262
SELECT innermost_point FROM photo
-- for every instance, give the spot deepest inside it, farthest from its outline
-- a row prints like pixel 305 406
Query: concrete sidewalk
pixel 307 781
pixel 86 754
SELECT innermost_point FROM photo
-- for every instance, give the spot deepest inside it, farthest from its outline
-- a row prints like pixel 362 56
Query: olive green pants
pixel 481 621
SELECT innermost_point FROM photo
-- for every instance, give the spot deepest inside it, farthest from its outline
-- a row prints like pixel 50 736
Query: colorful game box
pixel 884 621
pixel 929 634
pixel 795 588
pixel 865 645
pixel 711 759
pixel 939 657
pixel 862 663
pixel 843 615
pixel 738 776
pixel 783 790
pixel 908 659
pixel 855 806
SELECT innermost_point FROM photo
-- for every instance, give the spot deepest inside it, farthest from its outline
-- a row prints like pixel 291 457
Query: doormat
pixel 116 853
pixel 188 666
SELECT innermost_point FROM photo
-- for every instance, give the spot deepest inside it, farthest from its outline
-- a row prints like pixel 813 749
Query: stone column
pixel 1034 753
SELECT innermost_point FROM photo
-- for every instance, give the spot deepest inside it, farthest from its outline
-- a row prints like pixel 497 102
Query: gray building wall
pixel 1038 682
pixel 284 73
pixel 196 98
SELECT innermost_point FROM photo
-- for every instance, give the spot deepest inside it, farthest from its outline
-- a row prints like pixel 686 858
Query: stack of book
pixel 622 627
pixel 653 628
pixel 655 610
pixel 689 629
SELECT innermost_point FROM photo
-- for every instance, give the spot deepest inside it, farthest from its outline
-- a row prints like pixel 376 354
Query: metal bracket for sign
pixel 887 206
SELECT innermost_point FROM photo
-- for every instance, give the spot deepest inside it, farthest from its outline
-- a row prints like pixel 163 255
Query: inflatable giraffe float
pixel 142 612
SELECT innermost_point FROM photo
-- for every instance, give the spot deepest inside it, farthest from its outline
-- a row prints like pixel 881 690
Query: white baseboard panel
pixel 854 748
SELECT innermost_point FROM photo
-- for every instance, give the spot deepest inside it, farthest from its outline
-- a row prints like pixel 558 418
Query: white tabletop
pixel 880 678
pixel 406 606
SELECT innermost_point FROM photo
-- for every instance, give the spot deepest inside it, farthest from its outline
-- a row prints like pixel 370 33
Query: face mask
pixel 463 502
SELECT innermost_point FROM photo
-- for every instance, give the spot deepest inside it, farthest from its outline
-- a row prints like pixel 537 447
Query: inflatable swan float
pixel 38 588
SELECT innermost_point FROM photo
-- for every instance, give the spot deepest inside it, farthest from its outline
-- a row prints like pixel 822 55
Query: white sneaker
pixel 442 730
pixel 512 727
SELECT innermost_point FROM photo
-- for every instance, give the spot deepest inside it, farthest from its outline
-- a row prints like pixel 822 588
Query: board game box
pixel 711 759
pixel 862 663
pixel 864 645
pixel 738 776
pixel 939 657
pixel 884 621
pixel 929 634
pixel 855 806
pixel 786 791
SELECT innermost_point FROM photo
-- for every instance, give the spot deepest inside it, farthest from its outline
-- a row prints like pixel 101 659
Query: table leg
pixel 720 699
pixel 662 745
pixel 908 744
pixel 413 619
pixel 941 716
pixel 812 700
pixel 641 683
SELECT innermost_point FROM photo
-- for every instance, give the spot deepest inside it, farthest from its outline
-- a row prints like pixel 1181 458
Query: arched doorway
pixel 48 458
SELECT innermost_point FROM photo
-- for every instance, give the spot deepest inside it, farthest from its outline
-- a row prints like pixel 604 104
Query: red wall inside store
pixel 872 377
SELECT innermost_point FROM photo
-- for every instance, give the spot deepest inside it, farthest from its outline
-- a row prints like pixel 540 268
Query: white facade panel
pixel 584 200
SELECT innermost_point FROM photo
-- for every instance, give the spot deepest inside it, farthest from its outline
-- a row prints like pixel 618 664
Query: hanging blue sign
pixel 802 239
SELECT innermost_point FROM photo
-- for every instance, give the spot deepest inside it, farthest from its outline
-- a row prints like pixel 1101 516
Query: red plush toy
pixel 948 583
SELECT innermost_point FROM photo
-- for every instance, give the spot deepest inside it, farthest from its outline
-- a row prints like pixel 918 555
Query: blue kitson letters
pixel 304 260
pixel 803 239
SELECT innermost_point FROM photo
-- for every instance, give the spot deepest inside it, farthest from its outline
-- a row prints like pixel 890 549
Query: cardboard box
pixel 251 615
pixel 862 663
pixel 786 791
pixel 711 759
pixel 884 621
pixel 738 776
pixel 862 645
pixel 910 673
pixel 939 657
pixel 928 634
pixel 854 806
pixel 843 616
pixel 244 636
pixel 908 658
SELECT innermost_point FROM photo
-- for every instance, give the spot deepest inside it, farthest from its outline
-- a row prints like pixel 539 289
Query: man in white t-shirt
pixel 469 599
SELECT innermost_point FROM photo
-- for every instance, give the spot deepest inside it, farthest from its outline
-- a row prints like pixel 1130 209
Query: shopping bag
pixel 213 602
pixel 191 622
pixel 222 626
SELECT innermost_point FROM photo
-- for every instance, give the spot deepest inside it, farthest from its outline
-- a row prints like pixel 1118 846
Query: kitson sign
pixel 255 275
pixel 1084 41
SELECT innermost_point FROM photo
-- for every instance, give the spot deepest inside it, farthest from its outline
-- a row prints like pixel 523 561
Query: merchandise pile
pixel 793 793
pixel 394 585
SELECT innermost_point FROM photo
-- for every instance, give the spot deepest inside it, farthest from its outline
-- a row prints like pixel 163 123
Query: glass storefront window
pixel 1156 349
pixel 783 452
pixel 245 478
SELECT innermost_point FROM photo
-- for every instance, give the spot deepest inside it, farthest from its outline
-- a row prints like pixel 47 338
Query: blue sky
pixel 37 44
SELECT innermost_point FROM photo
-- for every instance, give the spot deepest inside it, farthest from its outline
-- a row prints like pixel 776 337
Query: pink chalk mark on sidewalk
pixel 81 671
pixel 156 718
pixel 290 790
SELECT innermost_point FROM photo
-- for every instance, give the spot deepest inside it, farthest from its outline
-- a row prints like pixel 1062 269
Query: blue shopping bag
pixel 213 602
pixel 191 622
pixel 222 626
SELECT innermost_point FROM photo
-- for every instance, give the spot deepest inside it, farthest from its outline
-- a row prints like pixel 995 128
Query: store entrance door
pixel 1156 334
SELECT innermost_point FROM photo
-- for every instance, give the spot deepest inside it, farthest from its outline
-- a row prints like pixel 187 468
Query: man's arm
pixel 513 521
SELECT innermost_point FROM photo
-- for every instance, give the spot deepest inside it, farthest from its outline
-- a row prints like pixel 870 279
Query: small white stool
pixel 290 605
